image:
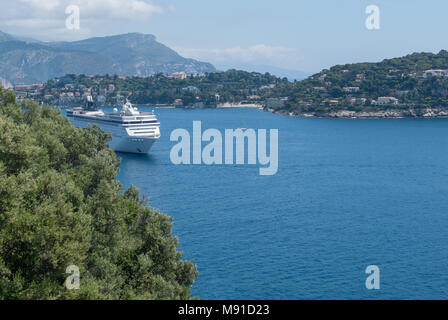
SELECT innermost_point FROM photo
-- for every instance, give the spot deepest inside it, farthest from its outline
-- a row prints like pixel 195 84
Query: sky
pixel 291 34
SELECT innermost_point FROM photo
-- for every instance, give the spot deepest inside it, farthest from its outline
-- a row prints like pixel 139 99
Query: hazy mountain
pixel 128 54
pixel 138 54
pixel 5 37
pixel 22 62
pixel 26 39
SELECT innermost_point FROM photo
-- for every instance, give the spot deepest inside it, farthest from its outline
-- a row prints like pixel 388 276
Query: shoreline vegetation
pixel 61 208
pixel 428 113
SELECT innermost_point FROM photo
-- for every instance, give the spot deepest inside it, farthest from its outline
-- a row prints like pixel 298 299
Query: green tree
pixel 61 205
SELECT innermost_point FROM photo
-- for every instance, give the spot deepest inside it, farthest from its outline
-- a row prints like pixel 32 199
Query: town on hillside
pixel 394 84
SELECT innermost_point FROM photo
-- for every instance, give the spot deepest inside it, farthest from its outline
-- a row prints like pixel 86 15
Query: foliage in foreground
pixel 60 205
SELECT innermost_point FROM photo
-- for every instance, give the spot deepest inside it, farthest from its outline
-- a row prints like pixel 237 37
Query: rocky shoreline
pixel 392 114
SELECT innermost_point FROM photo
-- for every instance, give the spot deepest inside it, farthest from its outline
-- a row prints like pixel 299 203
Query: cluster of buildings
pixel 72 94
pixel 380 101
pixel 357 100
pixel 67 95
pixel 28 91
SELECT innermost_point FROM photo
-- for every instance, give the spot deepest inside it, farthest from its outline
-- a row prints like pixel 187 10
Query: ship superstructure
pixel 132 131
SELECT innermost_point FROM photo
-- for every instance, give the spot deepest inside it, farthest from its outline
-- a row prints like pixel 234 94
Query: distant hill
pixel 232 86
pixel 292 75
pixel 410 86
pixel 415 85
pixel 131 54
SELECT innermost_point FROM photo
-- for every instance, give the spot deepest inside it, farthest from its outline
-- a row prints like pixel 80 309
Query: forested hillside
pixel 414 82
pixel 411 86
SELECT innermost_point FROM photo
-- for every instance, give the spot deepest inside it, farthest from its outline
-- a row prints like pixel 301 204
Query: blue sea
pixel 348 194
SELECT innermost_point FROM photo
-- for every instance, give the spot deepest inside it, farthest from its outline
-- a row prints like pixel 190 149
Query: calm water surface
pixel 348 194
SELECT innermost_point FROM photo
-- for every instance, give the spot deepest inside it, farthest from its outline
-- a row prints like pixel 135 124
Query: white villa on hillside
pixel 435 73
pixel 178 75
pixel 385 101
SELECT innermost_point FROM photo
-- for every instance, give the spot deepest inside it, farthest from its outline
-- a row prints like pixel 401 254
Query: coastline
pixel 426 113
pixel 219 106
pixel 423 113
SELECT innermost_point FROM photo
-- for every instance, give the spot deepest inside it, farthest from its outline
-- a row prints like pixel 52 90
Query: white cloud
pixel 42 4
pixel 32 23
pixel 261 54
pixel 45 19
pixel 121 9
pixel 128 9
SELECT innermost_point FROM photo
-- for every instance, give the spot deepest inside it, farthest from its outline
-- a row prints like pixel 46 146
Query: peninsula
pixel 412 86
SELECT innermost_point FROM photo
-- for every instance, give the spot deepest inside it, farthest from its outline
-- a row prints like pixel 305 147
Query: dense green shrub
pixel 60 205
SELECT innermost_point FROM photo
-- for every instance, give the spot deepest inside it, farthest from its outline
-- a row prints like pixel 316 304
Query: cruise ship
pixel 132 131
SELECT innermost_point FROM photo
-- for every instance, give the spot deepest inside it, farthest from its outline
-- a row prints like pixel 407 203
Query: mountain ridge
pixel 131 54
pixel 5 37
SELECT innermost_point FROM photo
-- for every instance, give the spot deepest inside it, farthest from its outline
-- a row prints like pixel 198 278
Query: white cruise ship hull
pixel 124 139
pixel 131 145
